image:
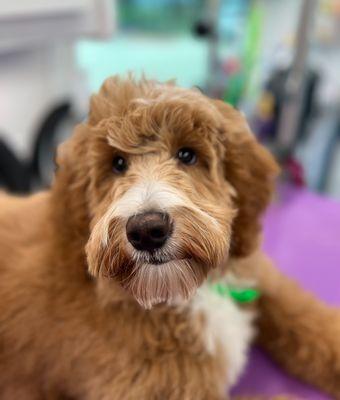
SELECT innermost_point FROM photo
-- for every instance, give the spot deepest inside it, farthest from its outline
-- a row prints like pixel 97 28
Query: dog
pixel 106 278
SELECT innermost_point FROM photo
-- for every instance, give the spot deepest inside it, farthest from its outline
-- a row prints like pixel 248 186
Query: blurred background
pixel 278 61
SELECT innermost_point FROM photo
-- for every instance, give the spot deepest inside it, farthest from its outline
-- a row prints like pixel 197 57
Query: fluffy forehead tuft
pixel 120 97
pixel 117 94
pixel 132 114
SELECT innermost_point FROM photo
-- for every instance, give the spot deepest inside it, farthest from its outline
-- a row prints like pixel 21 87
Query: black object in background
pixel 19 176
pixel 14 175
pixel 54 128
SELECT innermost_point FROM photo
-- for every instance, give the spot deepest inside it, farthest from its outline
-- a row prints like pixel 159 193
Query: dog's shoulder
pixel 16 208
pixel 23 220
pixel 12 206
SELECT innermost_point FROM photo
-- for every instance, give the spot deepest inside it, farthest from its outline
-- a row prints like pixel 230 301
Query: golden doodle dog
pixel 106 279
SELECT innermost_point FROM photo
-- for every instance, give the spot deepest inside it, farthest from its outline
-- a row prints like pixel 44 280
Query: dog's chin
pixel 169 281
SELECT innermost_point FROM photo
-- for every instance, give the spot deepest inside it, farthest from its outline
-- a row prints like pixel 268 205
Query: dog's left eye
pixel 187 156
pixel 119 165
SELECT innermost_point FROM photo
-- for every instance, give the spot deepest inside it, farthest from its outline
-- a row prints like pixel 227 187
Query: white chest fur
pixel 226 325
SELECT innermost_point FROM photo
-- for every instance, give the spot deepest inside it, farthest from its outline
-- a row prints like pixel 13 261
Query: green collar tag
pixel 244 295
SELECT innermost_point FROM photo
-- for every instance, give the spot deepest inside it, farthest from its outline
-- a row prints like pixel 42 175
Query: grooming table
pixel 302 235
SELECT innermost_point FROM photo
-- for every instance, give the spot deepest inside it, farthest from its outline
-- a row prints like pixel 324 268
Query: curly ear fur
pixel 251 170
pixel 70 187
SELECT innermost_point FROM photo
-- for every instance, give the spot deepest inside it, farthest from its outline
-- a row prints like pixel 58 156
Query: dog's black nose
pixel 148 231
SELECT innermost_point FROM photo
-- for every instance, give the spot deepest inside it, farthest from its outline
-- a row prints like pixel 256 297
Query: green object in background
pixel 240 82
pixel 235 89
pixel 247 295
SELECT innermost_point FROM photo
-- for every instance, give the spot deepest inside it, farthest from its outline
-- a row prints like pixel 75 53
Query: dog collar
pixel 240 295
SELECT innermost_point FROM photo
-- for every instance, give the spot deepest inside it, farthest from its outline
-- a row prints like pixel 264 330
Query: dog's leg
pixel 299 331
pixel 156 393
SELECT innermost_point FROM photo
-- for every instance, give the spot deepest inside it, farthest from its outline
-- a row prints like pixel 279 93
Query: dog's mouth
pixel 156 258
pixel 160 261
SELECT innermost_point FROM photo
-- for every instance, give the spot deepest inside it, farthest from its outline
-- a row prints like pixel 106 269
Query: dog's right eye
pixel 186 155
pixel 119 165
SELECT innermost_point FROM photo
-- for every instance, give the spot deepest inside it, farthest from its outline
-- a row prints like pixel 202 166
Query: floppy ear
pixel 71 181
pixel 251 170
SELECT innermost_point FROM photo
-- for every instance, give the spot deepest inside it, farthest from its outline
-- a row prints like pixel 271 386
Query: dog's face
pixel 161 194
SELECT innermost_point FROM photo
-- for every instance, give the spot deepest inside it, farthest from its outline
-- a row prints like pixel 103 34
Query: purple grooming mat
pixel 302 235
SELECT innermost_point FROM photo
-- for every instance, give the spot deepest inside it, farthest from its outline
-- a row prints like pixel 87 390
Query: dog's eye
pixel 119 165
pixel 187 156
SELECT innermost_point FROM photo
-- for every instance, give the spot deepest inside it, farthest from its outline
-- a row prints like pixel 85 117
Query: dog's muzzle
pixel 148 231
